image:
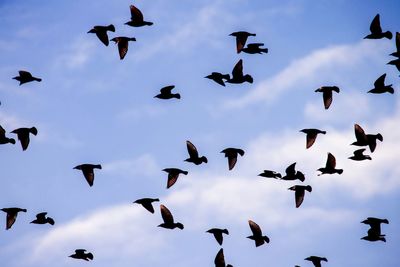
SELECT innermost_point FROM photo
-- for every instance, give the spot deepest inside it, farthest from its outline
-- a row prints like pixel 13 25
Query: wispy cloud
pixel 77 54
pixel 142 165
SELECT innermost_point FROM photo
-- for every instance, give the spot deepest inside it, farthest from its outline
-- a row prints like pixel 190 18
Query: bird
pixel 397 53
pixel 237 74
pixel 87 170
pixel 363 139
pixel 359 156
pixel 101 32
pixel 311 135
pixel 4 139
pixel 137 18
pixel 255 48
pixel 376 30
pixel 168 219
pixel 219 260
pixel 23 135
pixel 374 237
pixel 165 93
pixel 270 174
pixel 26 77
pixel 81 255
pixel 11 215
pixel 218 77
pixel 122 44
pixel 327 94
pixel 241 38
pixel 194 155
pixel 316 260
pixel 292 174
pixel 380 87
pixel 299 193
pixel 42 219
pixel 330 166
pixel 173 174
pixel 147 203
pixel 218 234
pixel 232 155
pixel 257 234
pixel 395 62
pixel 375 224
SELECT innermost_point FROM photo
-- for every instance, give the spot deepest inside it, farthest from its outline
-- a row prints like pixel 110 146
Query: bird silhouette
pixel 122 45
pixel 23 135
pixel 311 135
pixel 11 215
pixel 87 170
pixel 165 93
pixel 255 48
pixel 316 260
pixel 327 94
pixel 237 74
pixel 292 174
pixel 380 87
pixel 397 53
pixel 257 234
pixel 137 18
pixel 375 225
pixel 218 77
pixel 147 203
pixel 42 219
pixel 25 77
pixel 270 174
pixel 299 193
pixel 330 166
pixel 396 63
pixel 101 32
pixel 241 38
pixel 173 174
pixel 194 155
pixel 4 139
pixel 219 260
pixel 363 139
pixel 376 30
pixel 81 255
pixel 232 155
pixel 359 155
pixel 218 234
pixel 168 219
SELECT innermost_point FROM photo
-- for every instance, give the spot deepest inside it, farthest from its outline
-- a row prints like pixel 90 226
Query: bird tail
pixel 148 23
pixel 98 166
pixel 379 137
pixel 204 159
pixel 11 140
pixel 111 28
pixel 340 171
pixel 225 231
pixel 265 50
pixel 180 226
pixel 388 35
pixel 185 172
pixel 90 256
pixel 37 79
pixel 33 131
pixel 177 96
pixel 248 78
pixel 266 239
pixel 50 221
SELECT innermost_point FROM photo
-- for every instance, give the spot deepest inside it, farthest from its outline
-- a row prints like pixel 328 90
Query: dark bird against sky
pixel 26 77
pixel 87 170
pixel 101 32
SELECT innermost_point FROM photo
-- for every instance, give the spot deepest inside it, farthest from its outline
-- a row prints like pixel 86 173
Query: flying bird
pixel 218 77
pixel 218 234
pixel 255 48
pixel 122 45
pixel 194 155
pixel 4 139
pixel 380 87
pixel 316 260
pixel 173 174
pixel 87 170
pixel 299 193
pixel 237 74
pixel 327 94
pixel 232 155
pixel 137 18
pixel 101 32
pixel 168 219
pixel 376 30
pixel 11 215
pixel 147 203
pixel 25 77
pixel 311 135
pixel 363 139
pixel 292 174
pixel 165 93
pixel 375 224
pixel 270 174
pixel 359 155
pixel 257 234
pixel 219 260
pixel 395 62
pixel 397 53
pixel 42 219
pixel 23 135
pixel 241 38
pixel 81 255
pixel 330 166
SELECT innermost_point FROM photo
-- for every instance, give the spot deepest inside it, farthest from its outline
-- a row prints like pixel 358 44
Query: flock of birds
pixel 291 174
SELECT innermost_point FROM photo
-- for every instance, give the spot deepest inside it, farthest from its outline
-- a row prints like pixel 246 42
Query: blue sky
pixel 92 107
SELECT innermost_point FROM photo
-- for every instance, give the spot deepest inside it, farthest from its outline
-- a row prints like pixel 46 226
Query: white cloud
pixel 142 165
pixel 77 54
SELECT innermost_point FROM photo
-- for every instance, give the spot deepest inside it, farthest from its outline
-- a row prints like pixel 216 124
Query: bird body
pixel 122 42
pixel 4 139
pixel 327 94
pixel 255 48
pixel 316 260
pixel 173 174
pixel 168 219
pixel 218 234
pixel 359 155
pixel 380 87
pixel 311 136
pixel 363 139
pixel 101 32
pixel 292 174
pixel 165 93
pixel 270 174
pixel 300 192
pixel 147 203
pixel 376 30
pixel 330 166
pixel 232 155
pixel 397 53
pixel 237 74
pixel 12 214
pixel 137 19
pixel 23 135
pixel 218 77
pixel 42 219
pixel 26 77
pixel 87 170
pixel 82 255
pixel 257 235
pixel 194 155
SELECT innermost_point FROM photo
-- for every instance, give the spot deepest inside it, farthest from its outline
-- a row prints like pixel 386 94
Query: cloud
pixel 77 54
pixel 142 165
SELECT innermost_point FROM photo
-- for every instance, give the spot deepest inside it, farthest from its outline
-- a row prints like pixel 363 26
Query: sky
pixel 92 107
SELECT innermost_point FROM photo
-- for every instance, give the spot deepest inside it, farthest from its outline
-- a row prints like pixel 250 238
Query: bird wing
pixel 218 236
pixel 166 215
pixel 148 206
pixel 219 260
pixel 103 37
pixel 359 152
pixel 398 41
pixel 380 82
pixel 136 14
pixel 375 26
pixel 11 217
pixel 25 74
pixel 299 196
pixel 192 150
pixel 291 171
pixel 310 139
pixel 255 228
pixel 23 137
pixel 232 159
pixel 360 134
pixel 172 178
pixel 41 215
pixel 331 161
pixel 2 132
pixel 240 42
pixel 327 96
pixel 167 89
pixel 122 48
pixel 238 69
pixel 89 175
pixel 255 45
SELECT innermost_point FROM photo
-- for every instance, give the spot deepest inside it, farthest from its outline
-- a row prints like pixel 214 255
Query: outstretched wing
pixel 136 14
pixel 255 228
pixel 166 215
pixel 380 82
pixel 331 161
pixel 360 134
pixel 238 69
pixel 192 150
pixel 327 96
pixel 375 26
pixel 167 89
